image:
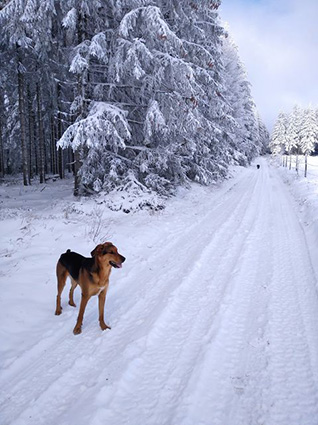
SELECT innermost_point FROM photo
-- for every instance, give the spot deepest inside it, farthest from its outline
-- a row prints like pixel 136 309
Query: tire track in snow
pixel 229 379
pixel 279 386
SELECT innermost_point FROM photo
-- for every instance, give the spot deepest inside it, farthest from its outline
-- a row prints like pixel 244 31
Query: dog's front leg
pixel 101 305
pixel 78 327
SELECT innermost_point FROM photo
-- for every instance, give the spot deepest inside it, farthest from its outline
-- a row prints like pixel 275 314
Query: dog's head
pixel 108 253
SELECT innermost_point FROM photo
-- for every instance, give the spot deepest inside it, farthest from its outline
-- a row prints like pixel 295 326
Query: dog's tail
pixel 72 261
pixel 62 257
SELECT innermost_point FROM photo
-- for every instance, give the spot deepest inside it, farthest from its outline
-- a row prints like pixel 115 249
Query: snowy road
pixel 214 322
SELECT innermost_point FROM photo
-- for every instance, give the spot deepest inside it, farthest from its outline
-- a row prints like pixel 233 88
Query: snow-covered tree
pixel 296 133
pixel 293 132
pixel 100 138
pixel 263 136
pixel 246 140
pixel 308 134
pixel 151 66
pixel 279 136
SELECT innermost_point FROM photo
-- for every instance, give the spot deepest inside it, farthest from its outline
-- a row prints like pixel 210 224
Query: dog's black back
pixel 73 262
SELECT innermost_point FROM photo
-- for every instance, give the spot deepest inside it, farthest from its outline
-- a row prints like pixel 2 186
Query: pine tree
pixel 248 135
pixel 263 136
pixel 101 136
pixel 308 134
pixel 293 131
pixel 279 135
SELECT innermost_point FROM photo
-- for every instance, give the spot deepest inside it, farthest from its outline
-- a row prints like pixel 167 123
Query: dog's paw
pixel 58 311
pixel 104 326
pixel 72 304
pixel 77 330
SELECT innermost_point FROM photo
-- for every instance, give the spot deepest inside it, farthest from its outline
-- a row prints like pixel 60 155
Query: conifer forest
pixel 149 93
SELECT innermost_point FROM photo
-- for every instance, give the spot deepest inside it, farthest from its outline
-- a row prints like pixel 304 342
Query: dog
pixel 91 274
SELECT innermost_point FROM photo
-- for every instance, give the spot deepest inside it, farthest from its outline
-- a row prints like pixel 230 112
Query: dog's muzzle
pixel 118 265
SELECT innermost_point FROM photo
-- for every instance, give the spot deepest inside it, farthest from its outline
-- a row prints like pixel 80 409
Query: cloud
pixel 278 44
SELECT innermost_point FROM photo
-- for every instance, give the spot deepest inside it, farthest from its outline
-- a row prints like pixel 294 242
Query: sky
pixel 278 44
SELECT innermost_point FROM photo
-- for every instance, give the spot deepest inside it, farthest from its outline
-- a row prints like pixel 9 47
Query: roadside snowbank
pixel 305 192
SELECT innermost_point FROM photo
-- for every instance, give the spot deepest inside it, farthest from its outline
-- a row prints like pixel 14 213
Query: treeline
pixel 295 133
pixel 141 92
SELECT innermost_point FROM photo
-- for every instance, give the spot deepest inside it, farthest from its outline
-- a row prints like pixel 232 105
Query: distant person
pixel 258 166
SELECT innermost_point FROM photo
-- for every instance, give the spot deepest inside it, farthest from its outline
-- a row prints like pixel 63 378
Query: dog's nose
pixel 122 259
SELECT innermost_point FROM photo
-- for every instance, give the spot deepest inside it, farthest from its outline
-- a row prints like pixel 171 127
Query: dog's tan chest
pixel 100 289
pixel 99 286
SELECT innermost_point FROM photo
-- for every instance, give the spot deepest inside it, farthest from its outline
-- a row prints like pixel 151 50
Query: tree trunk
pixel 70 156
pixel 36 150
pixel 25 167
pixel 59 132
pixel 32 133
pixel 77 166
pixel 46 169
pixel 41 134
pixel 306 161
pixel 2 170
pixel 81 92
pixel 61 163
pixel 53 147
pixel 1 151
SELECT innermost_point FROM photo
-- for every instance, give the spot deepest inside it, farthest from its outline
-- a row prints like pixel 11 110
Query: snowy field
pixel 214 314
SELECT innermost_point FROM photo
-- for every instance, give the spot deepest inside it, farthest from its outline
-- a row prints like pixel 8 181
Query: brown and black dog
pixel 91 274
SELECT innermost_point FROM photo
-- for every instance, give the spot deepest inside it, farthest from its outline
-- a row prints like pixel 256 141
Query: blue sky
pixel 278 44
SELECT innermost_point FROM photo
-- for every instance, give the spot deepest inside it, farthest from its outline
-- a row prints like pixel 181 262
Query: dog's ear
pixel 97 251
pixel 101 249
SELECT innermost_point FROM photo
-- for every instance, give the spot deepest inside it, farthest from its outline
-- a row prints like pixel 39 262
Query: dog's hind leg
pixel 71 299
pixel 61 274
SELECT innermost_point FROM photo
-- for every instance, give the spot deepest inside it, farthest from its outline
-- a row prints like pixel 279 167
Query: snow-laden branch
pixel 106 125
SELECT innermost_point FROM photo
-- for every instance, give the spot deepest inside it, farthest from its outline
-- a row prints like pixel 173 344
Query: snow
pixel 305 191
pixel 214 314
